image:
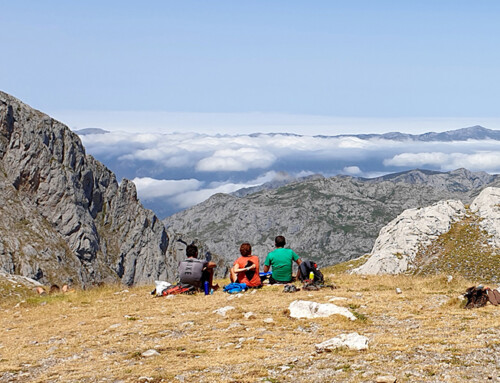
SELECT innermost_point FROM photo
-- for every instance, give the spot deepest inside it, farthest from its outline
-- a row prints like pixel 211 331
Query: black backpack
pixel 305 269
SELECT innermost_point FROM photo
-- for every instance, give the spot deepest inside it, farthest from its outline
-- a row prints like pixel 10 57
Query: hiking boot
pixel 290 289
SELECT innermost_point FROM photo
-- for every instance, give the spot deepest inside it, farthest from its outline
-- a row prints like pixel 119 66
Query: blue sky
pixel 182 84
pixel 380 63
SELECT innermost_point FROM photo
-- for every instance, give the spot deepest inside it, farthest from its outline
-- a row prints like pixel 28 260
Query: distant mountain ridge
pixel 459 180
pixel 87 131
pixel 476 132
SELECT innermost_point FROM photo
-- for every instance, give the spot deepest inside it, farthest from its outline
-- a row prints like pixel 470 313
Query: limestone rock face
pixel 63 216
pixel 487 206
pixel 399 241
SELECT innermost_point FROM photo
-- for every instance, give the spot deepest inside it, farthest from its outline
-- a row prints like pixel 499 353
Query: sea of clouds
pixel 173 171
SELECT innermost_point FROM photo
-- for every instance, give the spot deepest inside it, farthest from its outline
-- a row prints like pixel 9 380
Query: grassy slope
pixel 463 250
pixel 422 335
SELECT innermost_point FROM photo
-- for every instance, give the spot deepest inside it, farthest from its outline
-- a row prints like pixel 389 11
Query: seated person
pixel 194 271
pixel 246 268
pixel 281 261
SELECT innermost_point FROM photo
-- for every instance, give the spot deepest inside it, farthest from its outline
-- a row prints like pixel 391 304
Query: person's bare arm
pixel 266 268
pixel 210 265
pixel 238 270
pixel 299 261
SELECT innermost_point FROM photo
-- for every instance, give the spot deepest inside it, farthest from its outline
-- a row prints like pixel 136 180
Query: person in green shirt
pixel 281 261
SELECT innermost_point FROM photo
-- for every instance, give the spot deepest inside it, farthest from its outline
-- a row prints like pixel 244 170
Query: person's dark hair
pixel 54 289
pixel 279 241
pixel 192 251
pixel 245 249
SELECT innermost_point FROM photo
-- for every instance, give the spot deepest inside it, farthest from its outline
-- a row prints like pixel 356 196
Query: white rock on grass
pixel 223 310
pixel 386 379
pixel 399 241
pixel 353 341
pixel 150 353
pixel 308 309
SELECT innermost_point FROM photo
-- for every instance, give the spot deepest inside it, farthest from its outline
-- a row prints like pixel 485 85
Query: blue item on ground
pixel 265 274
pixel 235 287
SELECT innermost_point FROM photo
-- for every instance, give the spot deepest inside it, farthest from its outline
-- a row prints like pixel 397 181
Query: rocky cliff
pixel 447 237
pixel 64 218
pixel 329 220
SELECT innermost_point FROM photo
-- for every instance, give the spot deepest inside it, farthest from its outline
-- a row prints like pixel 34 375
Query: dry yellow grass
pixel 421 335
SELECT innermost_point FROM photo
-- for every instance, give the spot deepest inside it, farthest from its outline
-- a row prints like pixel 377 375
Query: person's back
pixel 251 276
pixel 246 268
pixel 194 271
pixel 191 271
pixel 281 260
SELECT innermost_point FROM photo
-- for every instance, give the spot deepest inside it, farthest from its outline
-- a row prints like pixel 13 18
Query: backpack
pixel 493 296
pixel 191 271
pixel 305 269
pixel 178 289
pixel 476 297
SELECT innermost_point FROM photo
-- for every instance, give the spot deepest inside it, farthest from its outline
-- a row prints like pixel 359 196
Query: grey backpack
pixel 191 271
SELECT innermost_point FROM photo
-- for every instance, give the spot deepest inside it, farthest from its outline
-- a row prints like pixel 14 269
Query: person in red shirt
pixel 246 268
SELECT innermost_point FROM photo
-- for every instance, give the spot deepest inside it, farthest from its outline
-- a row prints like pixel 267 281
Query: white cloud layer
pixel 352 170
pixel 237 160
pixel 186 193
pixel 152 188
pixel 183 169
pixel 479 161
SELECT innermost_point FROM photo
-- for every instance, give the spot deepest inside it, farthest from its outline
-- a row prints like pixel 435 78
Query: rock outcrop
pixel 64 218
pixel 416 231
pixel 487 206
pixel 399 241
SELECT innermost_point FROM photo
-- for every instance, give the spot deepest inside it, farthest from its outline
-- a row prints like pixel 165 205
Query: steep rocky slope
pixel 446 237
pixel 63 216
pixel 329 220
